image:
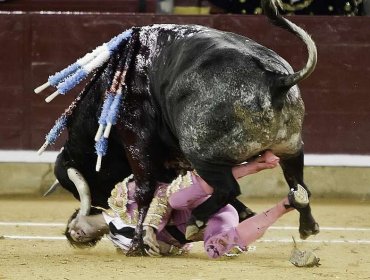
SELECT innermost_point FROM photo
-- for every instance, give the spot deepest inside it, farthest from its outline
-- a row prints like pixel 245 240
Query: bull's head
pixel 82 188
pixel 71 179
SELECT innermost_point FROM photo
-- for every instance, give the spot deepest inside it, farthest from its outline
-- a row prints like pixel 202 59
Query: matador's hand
pixel 151 245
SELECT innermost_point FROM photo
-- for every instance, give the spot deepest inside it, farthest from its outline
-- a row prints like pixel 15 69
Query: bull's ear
pixel 53 188
pixel 83 190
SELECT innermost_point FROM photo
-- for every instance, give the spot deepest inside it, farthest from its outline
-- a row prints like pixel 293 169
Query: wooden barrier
pixel 122 6
pixel 35 45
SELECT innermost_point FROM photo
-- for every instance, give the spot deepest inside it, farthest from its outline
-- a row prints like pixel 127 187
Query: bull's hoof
pixel 298 198
pixel 306 231
pixel 136 249
pixel 194 230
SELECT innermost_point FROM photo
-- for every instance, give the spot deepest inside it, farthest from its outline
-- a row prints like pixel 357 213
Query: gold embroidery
pixel 159 206
pixel 158 209
pixel 187 181
pixel 118 202
pixel 180 182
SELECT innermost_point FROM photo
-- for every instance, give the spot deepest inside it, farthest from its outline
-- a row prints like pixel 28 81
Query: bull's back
pixel 218 101
pixel 215 94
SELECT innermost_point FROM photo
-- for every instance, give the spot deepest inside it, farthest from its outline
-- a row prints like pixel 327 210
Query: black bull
pixel 209 98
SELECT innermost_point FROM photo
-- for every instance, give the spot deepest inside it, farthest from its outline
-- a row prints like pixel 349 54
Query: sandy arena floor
pixel 32 247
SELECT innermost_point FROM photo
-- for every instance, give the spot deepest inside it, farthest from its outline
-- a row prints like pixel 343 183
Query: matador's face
pixel 82 230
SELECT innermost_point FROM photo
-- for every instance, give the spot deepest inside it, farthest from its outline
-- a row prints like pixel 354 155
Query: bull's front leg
pixel 143 197
pixel 139 151
pixel 293 173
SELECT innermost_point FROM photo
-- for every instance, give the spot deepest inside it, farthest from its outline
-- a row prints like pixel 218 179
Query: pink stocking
pixel 253 228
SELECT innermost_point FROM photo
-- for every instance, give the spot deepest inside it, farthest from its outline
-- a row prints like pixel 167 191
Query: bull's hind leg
pixel 293 173
pixel 225 190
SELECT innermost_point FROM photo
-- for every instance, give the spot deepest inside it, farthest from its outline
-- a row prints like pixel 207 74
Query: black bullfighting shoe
pixel 298 198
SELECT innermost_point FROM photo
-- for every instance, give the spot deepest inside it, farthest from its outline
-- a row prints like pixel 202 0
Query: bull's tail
pixel 270 8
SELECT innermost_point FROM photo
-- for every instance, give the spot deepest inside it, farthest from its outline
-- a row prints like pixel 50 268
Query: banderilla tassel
pixel 101 149
pixel 54 133
pixel 113 113
pixel 69 77
pixel 104 113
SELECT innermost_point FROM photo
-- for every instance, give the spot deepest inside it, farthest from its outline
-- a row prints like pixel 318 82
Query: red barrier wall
pixel 35 45
pixel 122 6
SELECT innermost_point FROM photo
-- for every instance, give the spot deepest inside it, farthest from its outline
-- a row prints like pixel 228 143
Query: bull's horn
pixel 53 188
pixel 83 190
